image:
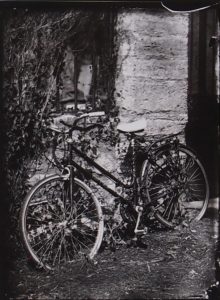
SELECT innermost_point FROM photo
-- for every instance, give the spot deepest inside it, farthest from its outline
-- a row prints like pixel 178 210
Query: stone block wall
pixel 152 68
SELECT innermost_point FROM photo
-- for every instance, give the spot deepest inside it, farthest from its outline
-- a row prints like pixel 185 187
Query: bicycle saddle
pixel 132 127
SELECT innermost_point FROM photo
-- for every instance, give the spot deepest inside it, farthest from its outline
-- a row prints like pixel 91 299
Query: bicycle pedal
pixel 141 231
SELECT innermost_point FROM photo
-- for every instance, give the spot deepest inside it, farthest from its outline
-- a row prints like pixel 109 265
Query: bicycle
pixel 62 220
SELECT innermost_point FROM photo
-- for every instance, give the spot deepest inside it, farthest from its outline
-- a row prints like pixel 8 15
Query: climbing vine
pixel 34 43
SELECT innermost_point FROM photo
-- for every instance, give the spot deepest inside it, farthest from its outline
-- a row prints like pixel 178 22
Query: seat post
pixel 132 138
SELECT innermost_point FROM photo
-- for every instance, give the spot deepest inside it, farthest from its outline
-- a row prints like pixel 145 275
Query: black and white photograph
pixel 109 150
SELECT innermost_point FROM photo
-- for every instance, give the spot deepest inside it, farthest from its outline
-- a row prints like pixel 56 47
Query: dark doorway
pixel 202 127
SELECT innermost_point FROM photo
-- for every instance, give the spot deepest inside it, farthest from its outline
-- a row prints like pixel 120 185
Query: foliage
pixel 34 43
pixel 33 48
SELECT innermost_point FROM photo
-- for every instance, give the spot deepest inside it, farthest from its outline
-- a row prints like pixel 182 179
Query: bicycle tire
pixel 55 232
pixel 176 185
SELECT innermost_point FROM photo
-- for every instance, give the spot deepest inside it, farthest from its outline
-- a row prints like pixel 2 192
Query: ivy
pixel 34 43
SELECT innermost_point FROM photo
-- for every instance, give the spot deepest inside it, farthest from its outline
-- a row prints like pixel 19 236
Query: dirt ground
pixel 176 264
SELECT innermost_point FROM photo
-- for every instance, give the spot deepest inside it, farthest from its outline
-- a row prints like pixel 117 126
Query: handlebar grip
pixel 96 114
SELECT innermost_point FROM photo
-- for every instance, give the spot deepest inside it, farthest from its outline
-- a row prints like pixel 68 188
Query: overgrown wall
pixel 152 76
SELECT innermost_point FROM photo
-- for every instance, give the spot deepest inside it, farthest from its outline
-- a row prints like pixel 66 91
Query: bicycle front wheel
pixel 61 222
pixel 176 185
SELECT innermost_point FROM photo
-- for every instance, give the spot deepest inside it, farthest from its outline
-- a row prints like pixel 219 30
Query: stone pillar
pixel 152 68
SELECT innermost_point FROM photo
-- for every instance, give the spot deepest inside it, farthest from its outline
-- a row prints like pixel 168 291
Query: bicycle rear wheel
pixel 57 230
pixel 176 185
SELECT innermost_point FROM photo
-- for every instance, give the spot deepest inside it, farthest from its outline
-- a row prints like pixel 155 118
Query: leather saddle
pixel 132 127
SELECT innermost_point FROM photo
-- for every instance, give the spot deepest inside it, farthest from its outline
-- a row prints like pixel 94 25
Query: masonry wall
pixel 152 68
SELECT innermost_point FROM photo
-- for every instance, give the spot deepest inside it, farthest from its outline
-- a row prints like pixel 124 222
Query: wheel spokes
pixel 60 231
pixel 176 186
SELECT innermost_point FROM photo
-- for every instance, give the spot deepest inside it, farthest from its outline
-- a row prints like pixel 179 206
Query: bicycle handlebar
pixel 77 119
pixel 81 128
pixel 95 114
pixel 91 114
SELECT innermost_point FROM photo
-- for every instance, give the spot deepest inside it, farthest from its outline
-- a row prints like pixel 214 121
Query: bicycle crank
pixel 137 231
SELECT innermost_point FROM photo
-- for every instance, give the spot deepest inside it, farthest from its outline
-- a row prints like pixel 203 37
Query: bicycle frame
pixel 136 203
pixel 135 185
pixel 88 173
